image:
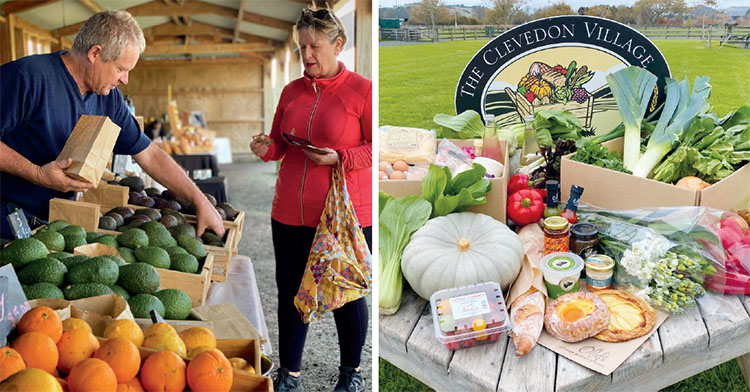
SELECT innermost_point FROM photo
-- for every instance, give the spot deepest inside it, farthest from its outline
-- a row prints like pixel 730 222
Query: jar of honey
pixel 556 234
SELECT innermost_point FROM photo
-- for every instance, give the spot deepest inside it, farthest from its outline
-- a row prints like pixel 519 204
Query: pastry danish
pixel 630 316
pixel 576 316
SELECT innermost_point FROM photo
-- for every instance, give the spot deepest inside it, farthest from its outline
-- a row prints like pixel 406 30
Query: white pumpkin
pixel 460 249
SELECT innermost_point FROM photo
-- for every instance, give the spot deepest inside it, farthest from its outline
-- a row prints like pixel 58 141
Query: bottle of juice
pixel 530 142
pixel 490 143
pixel 569 212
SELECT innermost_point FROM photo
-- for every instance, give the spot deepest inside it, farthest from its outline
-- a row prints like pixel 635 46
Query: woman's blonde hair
pixel 113 30
pixel 323 20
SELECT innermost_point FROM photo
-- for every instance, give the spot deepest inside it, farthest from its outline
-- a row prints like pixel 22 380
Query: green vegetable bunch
pixel 597 155
pixel 457 194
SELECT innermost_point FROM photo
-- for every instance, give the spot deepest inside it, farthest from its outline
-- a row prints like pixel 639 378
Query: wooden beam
pixel 32 29
pixel 207 48
pixel 223 60
pixel 12 35
pixel 17 6
pixel 239 20
pixel 200 28
pixel 92 5
pixel 3 19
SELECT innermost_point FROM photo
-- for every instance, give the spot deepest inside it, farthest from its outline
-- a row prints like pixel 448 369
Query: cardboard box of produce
pixel 90 145
pixel 610 189
pixel 496 198
pixel 96 311
pixel 107 194
pixel 229 322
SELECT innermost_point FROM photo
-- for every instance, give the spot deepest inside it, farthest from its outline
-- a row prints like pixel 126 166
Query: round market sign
pixel 557 63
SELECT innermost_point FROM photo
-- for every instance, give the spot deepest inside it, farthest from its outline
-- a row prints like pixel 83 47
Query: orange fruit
pixel 159 327
pixel 197 336
pixel 210 370
pixel 237 362
pixel 31 379
pixel 122 356
pixel 165 341
pixel 74 346
pixel 10 362
pixel 133 385
pixel 92 374
pixel 63 384
pixel 41 319
pixel 38 350
pixel 76 323
pixel 197 350
pixel 124 328
pixel 163 371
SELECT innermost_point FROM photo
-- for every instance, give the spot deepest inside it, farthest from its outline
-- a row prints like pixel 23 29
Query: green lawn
pixel 418 81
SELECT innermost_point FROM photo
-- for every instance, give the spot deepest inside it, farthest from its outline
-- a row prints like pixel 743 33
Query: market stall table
pixel 215 186
pixel 193 162
pixel 715 331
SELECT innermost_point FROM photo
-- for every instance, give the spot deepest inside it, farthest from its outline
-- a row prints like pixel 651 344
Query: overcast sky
pixel 573 3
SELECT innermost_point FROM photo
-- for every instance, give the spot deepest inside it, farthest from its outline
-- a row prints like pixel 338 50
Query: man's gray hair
pixel 113 30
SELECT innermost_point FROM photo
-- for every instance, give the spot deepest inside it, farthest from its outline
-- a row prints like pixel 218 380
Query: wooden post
pixel 744 362
pixel 451 30
pixel 12 36
pixel 362 37
pixel 688 37
pixel 710 33
pixel 666 31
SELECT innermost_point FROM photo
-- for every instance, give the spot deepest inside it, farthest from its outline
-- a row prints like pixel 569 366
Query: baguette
pixel 527 319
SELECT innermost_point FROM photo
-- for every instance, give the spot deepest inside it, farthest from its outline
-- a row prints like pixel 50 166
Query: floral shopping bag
pixel 339 268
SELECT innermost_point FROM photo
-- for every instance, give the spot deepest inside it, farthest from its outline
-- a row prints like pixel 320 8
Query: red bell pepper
pixel 522 181
pixel 526 206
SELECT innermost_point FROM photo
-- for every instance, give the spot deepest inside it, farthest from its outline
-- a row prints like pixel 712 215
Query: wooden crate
pixel 249 349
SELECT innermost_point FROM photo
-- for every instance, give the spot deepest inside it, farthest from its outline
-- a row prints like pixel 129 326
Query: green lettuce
pixel 467 125
pixel 447 195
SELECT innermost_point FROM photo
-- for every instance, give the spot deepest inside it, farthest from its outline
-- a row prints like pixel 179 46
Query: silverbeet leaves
pixel 447 195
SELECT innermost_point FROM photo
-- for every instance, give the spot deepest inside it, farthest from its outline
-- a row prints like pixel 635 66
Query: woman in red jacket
pixel 332 107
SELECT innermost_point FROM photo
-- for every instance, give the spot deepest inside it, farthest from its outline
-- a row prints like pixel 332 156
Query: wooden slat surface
pixel 717 330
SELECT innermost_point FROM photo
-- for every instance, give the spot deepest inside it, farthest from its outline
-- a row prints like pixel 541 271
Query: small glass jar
pixel 556 235
pixel 584 237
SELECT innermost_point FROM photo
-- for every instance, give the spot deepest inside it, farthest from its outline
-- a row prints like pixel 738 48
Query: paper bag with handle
pixel 90 146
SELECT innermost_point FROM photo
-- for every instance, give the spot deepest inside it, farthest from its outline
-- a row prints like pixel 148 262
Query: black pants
pixel 292 247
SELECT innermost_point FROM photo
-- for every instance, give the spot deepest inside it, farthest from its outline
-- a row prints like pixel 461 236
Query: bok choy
pixel 679 111
pixel 632 88
pixel 399 219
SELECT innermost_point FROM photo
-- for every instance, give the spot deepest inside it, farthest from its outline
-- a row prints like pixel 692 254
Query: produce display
pixel 52 354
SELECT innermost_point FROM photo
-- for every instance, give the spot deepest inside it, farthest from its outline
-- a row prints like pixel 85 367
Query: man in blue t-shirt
pixel 41 100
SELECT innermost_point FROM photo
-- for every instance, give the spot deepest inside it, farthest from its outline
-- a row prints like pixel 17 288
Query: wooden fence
pixel 739 35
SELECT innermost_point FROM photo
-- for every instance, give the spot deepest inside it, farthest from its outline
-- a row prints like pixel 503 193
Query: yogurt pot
pixel 599 272
pixel 562 271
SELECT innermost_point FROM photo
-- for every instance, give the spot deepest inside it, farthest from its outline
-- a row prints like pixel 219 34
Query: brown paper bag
pixel 229 322
pixel 531 275
pixel 78 213
pixel 90 146
pixel 107 195
pixel 60 306
pixel 99 311
pixel 94 250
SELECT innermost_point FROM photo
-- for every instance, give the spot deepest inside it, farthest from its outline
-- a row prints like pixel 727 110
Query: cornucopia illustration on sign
pixel 546 87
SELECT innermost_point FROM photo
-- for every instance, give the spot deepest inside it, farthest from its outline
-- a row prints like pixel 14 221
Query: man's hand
pixel 259 146
pixel 52 175
pixel 330 158
pixel 208 217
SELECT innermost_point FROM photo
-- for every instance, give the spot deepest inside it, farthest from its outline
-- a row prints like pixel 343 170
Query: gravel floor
pixel 250 187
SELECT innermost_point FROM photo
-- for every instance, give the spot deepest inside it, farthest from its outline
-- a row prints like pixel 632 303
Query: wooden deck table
pixel 685 345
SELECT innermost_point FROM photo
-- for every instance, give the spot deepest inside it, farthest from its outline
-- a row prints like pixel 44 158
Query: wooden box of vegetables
pixel 496 197
pixel 616 190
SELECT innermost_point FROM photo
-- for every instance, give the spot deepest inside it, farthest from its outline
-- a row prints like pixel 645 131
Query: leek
pixel 632 88
pixel 679 111
pixel 399 219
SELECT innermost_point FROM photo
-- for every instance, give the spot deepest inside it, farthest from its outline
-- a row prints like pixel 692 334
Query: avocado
pixel 211 198
pixel 23 251
pixel 133 238
pixel 135 184
pixel 120 291
pixel 192 246
pixel 60 255
pixel 175 213
pixel 221 213
pixel 157 257
pixel 42 290
pixel 177 303
pixel 71 262
pixel 229 211
pixel 127 254
pixel 169 195
pixel 211 239
pixel 139 278
pixel 73 241
pixel 184 263
pixel 142 304
pixel 148 202
pixel 153 214
pixel 57 225
pixel 119 220
pixel 107 223
pixel 176 250
pixel 137 220
pixel 90 237
pixel 107 239
pixel 158 235
pixel 72 229
pixel 124 212
pixel 151 192
pixel 97 270
pixel 169 221
pixel 53 240
pixel 43 270
pixel 115 259
pixel 84 290
pixel 160 202
pixel 182 229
